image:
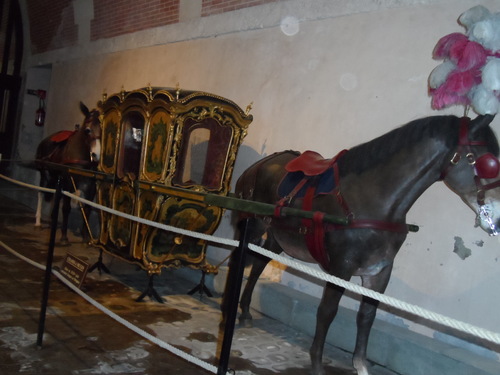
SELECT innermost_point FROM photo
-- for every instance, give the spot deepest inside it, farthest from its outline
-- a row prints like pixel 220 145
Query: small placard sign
pixel 74 269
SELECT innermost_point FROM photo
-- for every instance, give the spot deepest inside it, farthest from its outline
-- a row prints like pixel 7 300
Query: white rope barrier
pixel 168 228
pixel 119 319
pixel 413 309
pixel 46 190
pixel 404 306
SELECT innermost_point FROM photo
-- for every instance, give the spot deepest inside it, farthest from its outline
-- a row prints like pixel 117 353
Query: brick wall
pixel 211 7
pixel 52 23
pixel 118 17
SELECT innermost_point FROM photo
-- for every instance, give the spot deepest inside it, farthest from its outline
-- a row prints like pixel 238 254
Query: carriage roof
pixel 169 95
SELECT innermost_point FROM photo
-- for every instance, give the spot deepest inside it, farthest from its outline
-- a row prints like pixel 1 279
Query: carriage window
pixel 203 154
pixel 196 156
pixel 131 145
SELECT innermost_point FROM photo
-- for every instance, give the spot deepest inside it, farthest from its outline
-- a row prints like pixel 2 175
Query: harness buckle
pixel 455 159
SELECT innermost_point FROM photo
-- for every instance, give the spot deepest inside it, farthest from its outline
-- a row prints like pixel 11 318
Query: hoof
pixel 361 366
pixel 64 243
pixel 246 323
pixel 318 371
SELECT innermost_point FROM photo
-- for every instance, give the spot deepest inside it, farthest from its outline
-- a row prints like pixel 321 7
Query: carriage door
pixel 127 171
pixel 204 158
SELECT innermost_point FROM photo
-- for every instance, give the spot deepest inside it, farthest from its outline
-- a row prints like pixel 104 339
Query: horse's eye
pixel 87 131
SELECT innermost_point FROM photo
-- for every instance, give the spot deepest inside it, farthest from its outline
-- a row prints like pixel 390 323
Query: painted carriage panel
pixel 104 197
pixel 110 135
pixel 148 206
pixel 155 141
pixel 158 145
pixel 176 249
pixel 120 228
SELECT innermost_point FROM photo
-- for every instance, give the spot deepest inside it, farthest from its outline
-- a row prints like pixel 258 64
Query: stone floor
pixel 80 339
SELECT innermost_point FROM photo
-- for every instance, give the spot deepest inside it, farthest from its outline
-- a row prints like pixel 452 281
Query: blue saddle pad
pixel 324 183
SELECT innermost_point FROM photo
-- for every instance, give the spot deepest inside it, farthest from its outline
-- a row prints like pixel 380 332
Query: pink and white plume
pixel 470 72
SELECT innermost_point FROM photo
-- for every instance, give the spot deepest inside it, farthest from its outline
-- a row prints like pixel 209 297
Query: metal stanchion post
pixel 50 258
pixel 234 280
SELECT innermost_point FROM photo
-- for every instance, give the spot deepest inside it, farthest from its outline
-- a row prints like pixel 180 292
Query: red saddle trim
pixel 61 136
pixel 311 163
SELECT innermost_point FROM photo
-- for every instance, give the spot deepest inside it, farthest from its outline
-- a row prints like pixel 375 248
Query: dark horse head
pixel 80 148
pixel 372 187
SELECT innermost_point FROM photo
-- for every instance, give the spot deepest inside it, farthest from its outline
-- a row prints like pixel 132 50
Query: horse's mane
pixel 372 153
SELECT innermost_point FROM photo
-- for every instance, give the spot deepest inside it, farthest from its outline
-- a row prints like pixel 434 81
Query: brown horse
pixel 78 148
pixel 372 185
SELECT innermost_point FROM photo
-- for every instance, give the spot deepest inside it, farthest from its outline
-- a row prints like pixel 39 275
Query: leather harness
pixel 312 165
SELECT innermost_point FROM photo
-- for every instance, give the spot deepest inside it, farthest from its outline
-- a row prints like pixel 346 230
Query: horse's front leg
pixel 327 311
pixel 39 207
pixel 366 317
pixel 88 189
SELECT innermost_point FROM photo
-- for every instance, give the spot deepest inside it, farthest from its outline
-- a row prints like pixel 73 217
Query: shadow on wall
pixel 246 157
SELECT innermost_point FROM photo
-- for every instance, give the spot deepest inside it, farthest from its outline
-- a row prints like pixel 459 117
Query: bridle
pixel 487 166
pixel 88 124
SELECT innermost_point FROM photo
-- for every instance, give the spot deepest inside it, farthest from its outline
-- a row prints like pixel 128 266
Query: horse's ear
pixel 84 110
pixel 480 122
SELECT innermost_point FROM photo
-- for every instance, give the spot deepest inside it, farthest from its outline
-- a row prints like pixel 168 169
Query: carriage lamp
pixel 40 112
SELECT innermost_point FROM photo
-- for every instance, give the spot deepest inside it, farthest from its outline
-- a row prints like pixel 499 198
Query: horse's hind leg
pixel 259 262
pixel 255 230
pixel 66 208
pixel 327 311
pixel 366 316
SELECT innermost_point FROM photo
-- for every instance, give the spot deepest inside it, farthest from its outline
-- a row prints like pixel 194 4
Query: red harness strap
pixel 315 234
pixel 316 227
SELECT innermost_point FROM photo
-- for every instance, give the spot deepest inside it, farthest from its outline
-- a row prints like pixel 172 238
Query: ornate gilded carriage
pixel 162 150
